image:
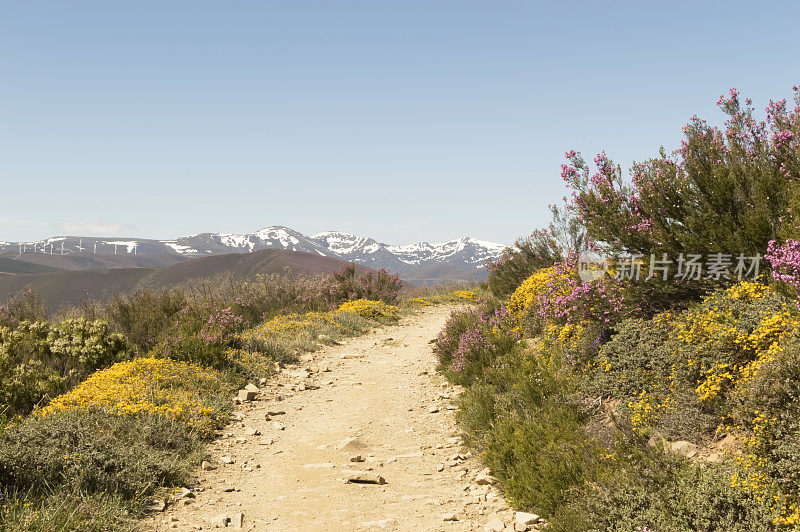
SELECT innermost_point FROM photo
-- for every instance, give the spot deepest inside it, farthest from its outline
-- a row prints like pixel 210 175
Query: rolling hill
pixel 70 287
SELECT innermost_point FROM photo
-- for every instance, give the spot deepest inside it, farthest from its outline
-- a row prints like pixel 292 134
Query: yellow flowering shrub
pixel 731 363
pixel 525 296
pixel 366 308
pixel 186 393
pixel 726 323
pixel 454 296
pixel 290 325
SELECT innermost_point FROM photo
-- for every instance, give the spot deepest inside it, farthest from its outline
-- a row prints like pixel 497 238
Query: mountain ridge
pixel 461 258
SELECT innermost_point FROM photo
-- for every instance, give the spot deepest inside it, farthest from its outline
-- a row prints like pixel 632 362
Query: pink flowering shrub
pixel 472 340
pixel 785 261
pixel 723 189
pixel 567 300
pixel 201 339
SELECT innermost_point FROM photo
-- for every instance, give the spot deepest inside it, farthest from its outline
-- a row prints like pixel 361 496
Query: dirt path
pixel 376 396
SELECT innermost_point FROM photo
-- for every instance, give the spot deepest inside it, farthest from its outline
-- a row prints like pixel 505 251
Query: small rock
pixel 251 387
pixel 433 409
pixel 449 517
pixel 494 525
pixel 157 505
pixel 363 477
pixel 207 466
pixel 184 493
pixel 485 479
pixel 658 440
pixel 220 521
pixel 237 520
pixel 252 432
pixel 356 458
pixel 278 426
pixel 684 448
pixel 350 444
pixel 226 460
pixel 526 518
pixel 276 412
pixel 246 395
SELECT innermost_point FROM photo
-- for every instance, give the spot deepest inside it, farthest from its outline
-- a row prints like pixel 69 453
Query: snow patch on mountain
pixel 465 255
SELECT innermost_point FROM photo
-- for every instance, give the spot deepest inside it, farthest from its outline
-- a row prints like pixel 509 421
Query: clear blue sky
pixel 403 120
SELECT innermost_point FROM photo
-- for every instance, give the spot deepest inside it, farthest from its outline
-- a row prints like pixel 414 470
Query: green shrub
pixel 645 489
pixel 64 510
pixel 38 360
pixel 94 452
pixel 536 443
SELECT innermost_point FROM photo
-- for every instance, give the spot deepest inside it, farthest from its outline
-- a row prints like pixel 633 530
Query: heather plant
pixel 260 297
pixel 472 340
pixel 346 285
pixel 785 261
pixel 201 338
pixel 460 322
pixel 721 191
pixel 557 296
pixel 144 316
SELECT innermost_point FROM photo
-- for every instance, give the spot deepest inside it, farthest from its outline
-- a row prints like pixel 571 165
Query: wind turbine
pixel 62 247
pixel 80 246
pixel 95 248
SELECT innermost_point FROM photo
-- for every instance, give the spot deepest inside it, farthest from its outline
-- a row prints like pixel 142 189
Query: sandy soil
pixel 377 396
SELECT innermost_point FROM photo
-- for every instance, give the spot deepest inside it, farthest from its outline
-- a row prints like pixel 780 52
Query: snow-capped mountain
pixel 462 258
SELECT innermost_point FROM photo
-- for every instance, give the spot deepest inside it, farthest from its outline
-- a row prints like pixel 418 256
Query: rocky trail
pixel 356 436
